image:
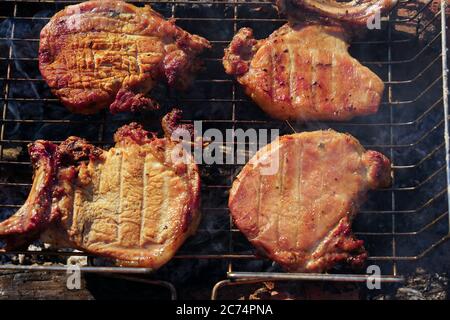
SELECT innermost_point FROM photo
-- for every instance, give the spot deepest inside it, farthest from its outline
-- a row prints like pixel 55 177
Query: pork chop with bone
pixel 100 54
pixel 135 203
pixel 303 70
pixel 300 215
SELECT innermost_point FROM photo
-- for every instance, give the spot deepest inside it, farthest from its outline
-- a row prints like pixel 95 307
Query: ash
pixel 422 285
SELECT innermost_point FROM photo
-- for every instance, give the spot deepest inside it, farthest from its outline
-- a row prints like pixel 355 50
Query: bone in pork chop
pixel 355 12
pixel 135 203
pixel 101 54
pixel 303 71
pixel 301 216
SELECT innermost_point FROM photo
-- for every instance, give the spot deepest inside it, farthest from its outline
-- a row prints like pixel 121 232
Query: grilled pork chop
pixel 303 71
pixel 135 203
pixel 109 53
pixel 301 216
pixel 354 12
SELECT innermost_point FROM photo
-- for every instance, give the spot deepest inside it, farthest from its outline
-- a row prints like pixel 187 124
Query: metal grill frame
pixel 238 277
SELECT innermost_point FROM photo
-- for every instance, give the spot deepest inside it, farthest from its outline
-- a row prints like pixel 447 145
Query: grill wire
pixel 401 224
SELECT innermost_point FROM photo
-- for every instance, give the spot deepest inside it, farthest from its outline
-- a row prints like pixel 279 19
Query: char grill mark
pixel 301 216
pixel 314 82
pixel 323 70
pixel 280 187
pixel 291 73
pixel 108 53
pixel 299 181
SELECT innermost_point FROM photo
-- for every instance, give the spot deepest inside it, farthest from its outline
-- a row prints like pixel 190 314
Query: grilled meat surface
pixel 134 203
pixel 303 71
pixel 355 12
pixel 109 53
pixel 301 216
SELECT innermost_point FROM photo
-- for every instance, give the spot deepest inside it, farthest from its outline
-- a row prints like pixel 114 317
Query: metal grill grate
pixel 403 223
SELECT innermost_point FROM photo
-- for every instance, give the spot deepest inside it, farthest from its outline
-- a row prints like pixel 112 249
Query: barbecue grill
pixel 401 224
